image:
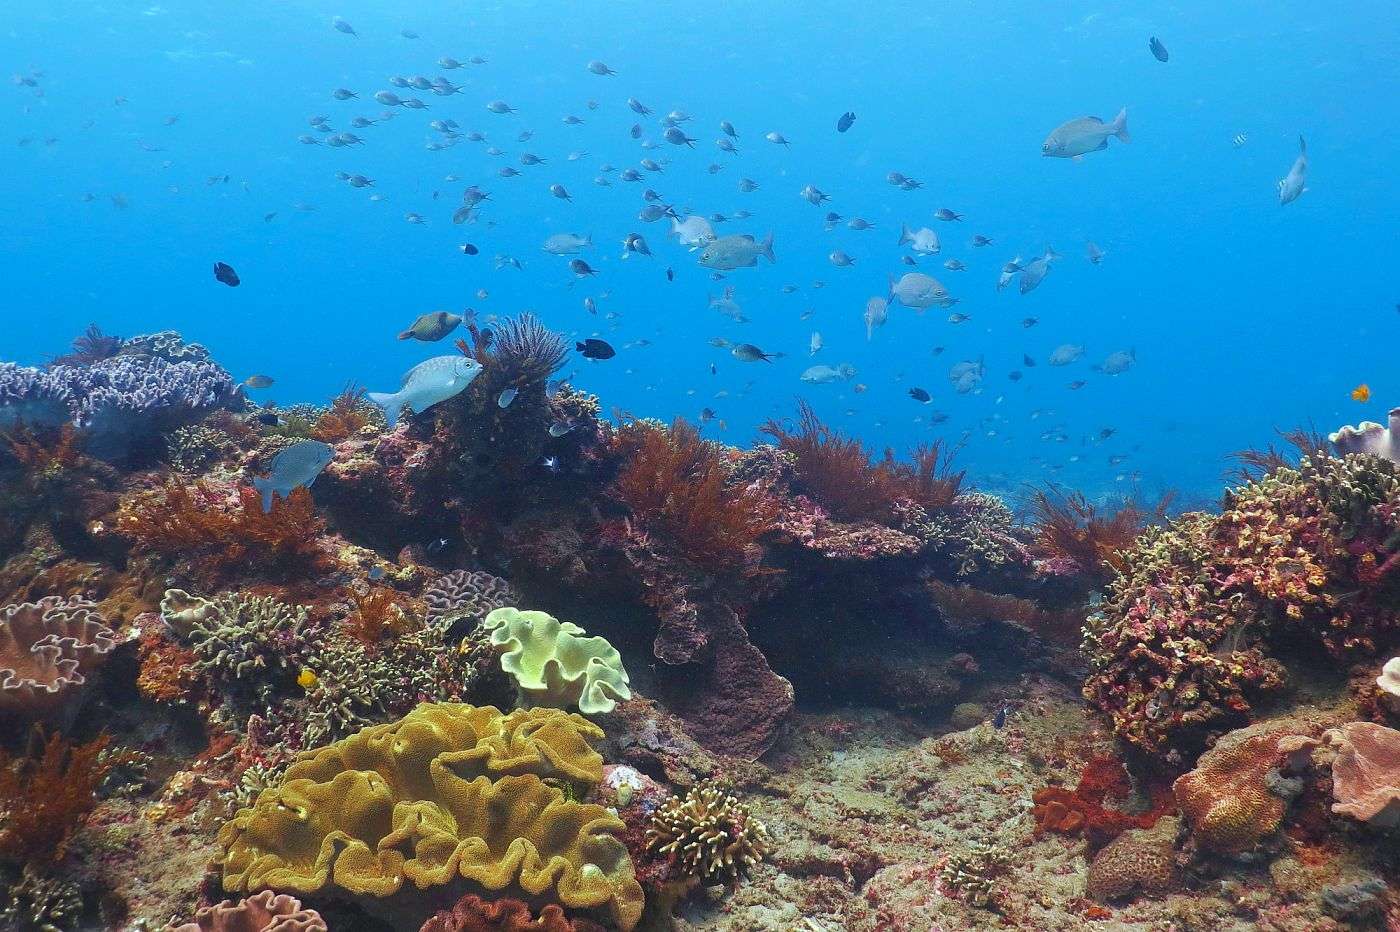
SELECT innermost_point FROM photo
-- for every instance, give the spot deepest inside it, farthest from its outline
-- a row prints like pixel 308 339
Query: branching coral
pixel 975 531
pixel 247 644
pixel 1180 648
pixel 450 791
pixel 977 874
pixel 40 902
pixel 707 835
pixel 193 522
pixel 44 799
pixel 676 485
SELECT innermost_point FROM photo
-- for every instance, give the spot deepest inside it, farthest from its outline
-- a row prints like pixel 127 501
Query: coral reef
pixel 448 791
pixel 47 650
pixel 1183 644
pixel 1371 438
pixel 707 835
pixel 44 799
pixel 261 912
pixel 1141 860
pixel 554 665
pixel 1082 810
pixel 466 595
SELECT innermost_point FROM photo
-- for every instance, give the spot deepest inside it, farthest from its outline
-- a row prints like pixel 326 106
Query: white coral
pixel 1370 437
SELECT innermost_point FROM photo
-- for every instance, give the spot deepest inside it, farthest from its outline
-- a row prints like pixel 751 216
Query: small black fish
pixel 1029 322
pixel 1077 385
pixel 713 369
pixel 999 720
pixel 670 275
pixel 1014 375
pixel 1159 51
pixel 1027 361
pixel 468 249
pixel 845 122
pixel 919 395
pixel 595 349
pixel 224 272
pixel 268 418
pixel 438 546
pixel 908 260
pixel 581 268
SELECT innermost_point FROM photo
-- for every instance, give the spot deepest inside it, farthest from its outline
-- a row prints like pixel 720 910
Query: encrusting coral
pixel 448 791
pixel 1366 773
pixel 47 650
pixel 554 665
pixel 262 912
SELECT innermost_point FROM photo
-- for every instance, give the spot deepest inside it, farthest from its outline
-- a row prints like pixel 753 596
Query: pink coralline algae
pixel 1366 773
pixel 47 649
pixel 806 524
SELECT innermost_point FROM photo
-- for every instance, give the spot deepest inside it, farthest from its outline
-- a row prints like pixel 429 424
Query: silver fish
pixel 426 384
pixel 737 252
pixel 1072 139
pixel 567 244
pixel 922 240
pixel 1119 362
pixel 1295 184
pixel 918 291
pixel 694 232
pixel 1066 353
pixel 877 311
pixel 1034 272
pixel 296 466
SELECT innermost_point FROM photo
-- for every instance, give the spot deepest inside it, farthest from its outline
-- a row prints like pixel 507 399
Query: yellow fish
pixel 307 678
pixel 1361 393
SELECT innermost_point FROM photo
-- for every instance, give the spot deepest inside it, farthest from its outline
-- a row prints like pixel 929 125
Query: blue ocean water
pixel 1244 315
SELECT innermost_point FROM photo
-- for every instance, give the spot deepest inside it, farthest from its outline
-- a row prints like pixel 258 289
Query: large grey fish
pixel 1034 272
pixel 426 384
pixel 737 252
pixel 966 376
pixel 1086 134
pixel 567 244
pixel 296 466
pixel 1119 362
pixel 823 375
pixel 1066 353
pixel 917 290
pixel 1295 184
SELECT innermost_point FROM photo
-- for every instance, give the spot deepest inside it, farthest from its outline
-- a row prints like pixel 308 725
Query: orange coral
pixel 344 418
pixel 167 669
pixel 190 521
pixel 676 483
pixel 43 800
pixel 1069 528
pixel 1081 810
pixel 45 455
pixel 380 615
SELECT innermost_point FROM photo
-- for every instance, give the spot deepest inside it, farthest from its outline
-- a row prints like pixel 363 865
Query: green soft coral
pixel 554 664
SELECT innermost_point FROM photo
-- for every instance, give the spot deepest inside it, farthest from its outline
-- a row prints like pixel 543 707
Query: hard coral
pixel 47 649
pixel 449 791
pixel 1141 860
pixel 473 914
pixel 466 595
pixel 192 522
pixel 676 485
pixel 1366 773
pixel 1181 646
pixel 1227 800
pixel 262 912
pixel 707 835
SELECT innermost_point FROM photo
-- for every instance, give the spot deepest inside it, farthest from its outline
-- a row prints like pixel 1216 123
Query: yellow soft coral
pixel 449 791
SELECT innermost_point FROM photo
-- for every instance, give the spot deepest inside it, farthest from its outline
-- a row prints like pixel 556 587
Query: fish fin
pixel 1080 158
pixel 768 248
pixel 390 402
pixel 904 236
pixel 266 491
pixel 1302 146
pixel 1120 126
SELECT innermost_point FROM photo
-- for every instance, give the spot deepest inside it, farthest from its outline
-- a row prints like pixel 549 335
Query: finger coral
pixel 473 914
pixel 1183 645
pixel 448 791
pixel 47 649
pixel 243 641
pixel 554 665
pixel 1366 773
pixel 707 835
pixel 261 912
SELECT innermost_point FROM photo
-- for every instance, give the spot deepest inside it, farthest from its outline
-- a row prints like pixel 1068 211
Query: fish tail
pixel 904 236
pixel 1120 126
pixel 266 491
pixel 768 248
pixel 390 402
pixel 406 334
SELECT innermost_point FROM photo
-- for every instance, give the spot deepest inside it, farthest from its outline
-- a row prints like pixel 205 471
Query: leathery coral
pixel 473 914
pixel 1366 773
pixel 1182 646
pixel 448 791
pixel 262 912
pixel 47 649
pixel 707 835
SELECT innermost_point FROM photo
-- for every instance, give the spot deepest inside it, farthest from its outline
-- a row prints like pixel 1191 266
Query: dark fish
pixel 581 268
pixel 1014 375
pixel 224 272
pixel 1159 51
pixel 468 249
pixel 268 418
pixel 671 276
pixel 595 349
pixel 999 720
pixel 1027 361
pixel 1077 385
pixel 919 395
pixel 845 122
pixel 1029 322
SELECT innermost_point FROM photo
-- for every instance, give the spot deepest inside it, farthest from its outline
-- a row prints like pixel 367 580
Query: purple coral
pixel 46 648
